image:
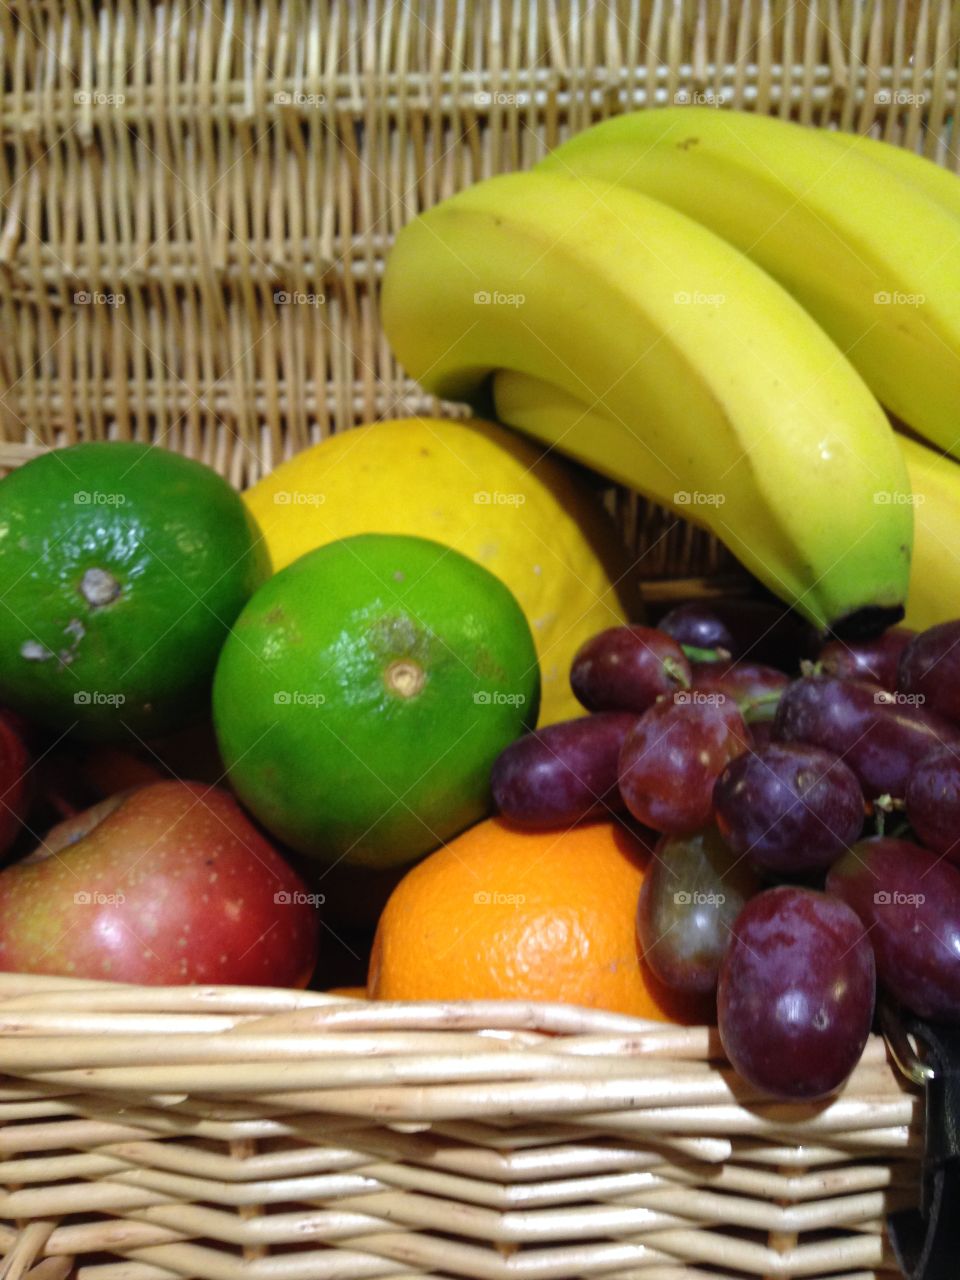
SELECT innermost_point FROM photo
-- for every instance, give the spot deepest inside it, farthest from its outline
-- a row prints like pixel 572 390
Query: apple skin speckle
pixel 130 895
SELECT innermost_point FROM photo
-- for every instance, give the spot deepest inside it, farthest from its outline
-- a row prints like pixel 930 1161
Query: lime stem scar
pixel 99 587
pixel 405 678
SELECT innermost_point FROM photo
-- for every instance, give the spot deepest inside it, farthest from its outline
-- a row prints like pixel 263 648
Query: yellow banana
pixel 938 184
pixel 874 258
pixel 935 578
pixel 721 385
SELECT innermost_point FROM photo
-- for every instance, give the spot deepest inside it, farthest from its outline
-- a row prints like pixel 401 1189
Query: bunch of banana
pixel 866 236
pixel 630 337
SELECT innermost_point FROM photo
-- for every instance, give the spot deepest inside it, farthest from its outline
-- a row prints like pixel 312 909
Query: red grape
pixel 754 688
pixel 879 735
pixel 909 900
pixel 874 659
pixel 693 891
pixel 758 629
pixel 789 807
pixel 673 756
pixel 562 773
pixel 930 669
pixel 796 992
pixel 627 669
pixel 933 802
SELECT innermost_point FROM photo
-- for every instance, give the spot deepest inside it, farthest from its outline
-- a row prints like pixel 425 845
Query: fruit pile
pixel 404 694
pixel 807 830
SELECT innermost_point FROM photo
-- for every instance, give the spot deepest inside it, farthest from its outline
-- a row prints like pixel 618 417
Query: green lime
pixel 122 568
pixel 365 692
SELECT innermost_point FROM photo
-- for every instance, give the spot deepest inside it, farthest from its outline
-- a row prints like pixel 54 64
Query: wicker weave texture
pixel 224 1133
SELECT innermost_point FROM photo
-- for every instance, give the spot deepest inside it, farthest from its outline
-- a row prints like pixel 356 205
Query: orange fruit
pixel 501 913
pixel 352 993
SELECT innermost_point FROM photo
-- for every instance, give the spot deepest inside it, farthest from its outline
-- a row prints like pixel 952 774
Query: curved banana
pixel 935 578
pixel 926 176
pixel 874 259
pixel 738 396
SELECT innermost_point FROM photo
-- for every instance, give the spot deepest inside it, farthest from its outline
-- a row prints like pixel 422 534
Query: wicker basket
pixel 171 174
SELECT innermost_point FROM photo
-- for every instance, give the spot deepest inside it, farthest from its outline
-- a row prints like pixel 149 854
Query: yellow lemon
pixel 529 518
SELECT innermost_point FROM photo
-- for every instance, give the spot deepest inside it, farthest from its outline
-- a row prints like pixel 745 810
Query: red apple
pixel 14 781
pixel 169 883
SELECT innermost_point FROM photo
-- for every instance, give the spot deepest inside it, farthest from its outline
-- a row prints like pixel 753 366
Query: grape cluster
pixel 803 804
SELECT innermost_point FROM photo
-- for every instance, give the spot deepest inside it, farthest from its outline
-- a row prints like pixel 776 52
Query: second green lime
pixel 364 693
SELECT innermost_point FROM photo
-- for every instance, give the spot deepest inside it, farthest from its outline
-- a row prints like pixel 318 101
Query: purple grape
pixel 874 660
pixel 693 891
pixel 627 669
pixel 754 688
pixel 796 993
pixel 673 756
pixel 909 900
pixel 562 773
pixel 878 734
pixel 933 802
pixel 930 669
pixel 789 807
pixel 757 629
